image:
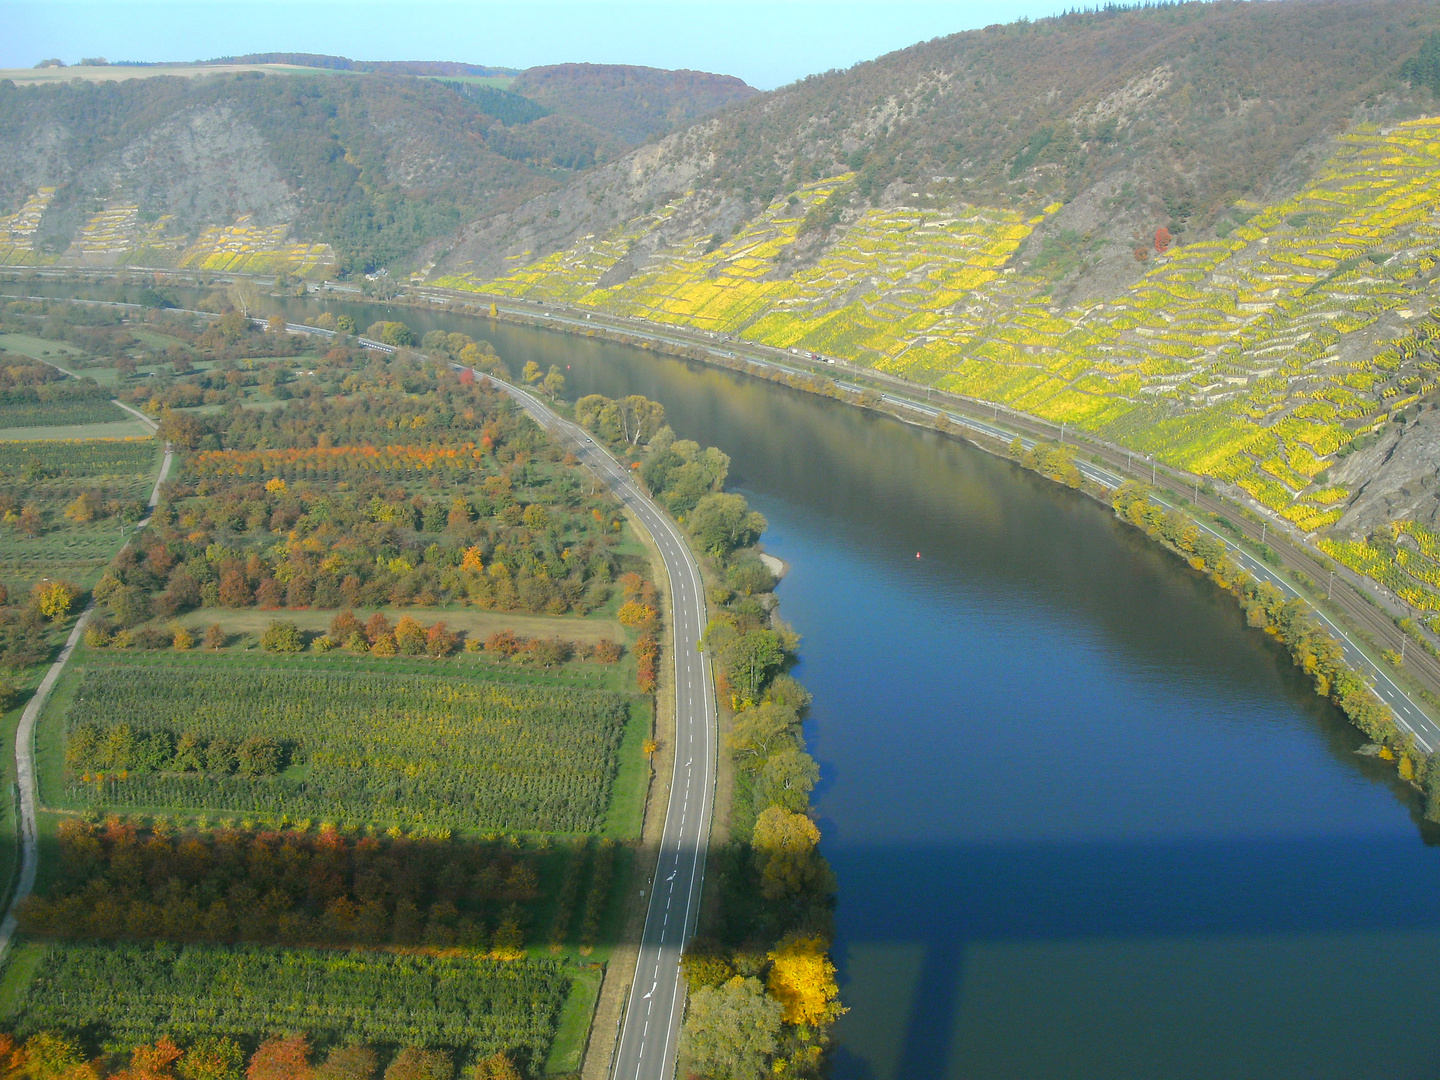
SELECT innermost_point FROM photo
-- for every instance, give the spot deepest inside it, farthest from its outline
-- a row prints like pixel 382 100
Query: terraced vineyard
pixel 17 230
pixel 121 234
pixel 1404 557
pixel 1254 357
pixel 251 249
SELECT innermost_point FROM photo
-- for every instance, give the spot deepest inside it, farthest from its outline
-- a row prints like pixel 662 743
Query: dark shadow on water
pixel 845 1062
pixel 1169 889
pixel 944 900
pixel 939 986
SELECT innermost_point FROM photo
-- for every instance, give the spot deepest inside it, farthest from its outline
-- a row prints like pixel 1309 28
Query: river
pixel 1086 824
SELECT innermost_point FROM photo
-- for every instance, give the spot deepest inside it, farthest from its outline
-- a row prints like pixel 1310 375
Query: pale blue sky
pixel 765 43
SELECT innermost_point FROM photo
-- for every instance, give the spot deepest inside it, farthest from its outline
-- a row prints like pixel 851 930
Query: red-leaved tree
pixel 281 1059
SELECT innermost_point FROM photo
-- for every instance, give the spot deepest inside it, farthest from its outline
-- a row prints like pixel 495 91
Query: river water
pixel 1086 825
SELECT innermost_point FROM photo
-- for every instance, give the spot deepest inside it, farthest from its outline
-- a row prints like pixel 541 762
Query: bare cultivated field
pixel 473 621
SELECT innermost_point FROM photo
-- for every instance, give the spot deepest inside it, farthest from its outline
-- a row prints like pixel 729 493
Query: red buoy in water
pixel 917 554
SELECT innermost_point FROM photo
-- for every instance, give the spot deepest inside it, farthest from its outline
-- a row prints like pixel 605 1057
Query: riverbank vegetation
pixel 1292 622
pixel 763 991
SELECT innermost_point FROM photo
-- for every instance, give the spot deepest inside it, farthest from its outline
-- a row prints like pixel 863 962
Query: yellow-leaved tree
pixel 83 509
pixel 784 845
pixel 53 599
pixel 802 978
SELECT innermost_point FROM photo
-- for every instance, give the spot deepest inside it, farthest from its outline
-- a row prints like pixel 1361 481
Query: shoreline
pixel 777 566
pixel 986 437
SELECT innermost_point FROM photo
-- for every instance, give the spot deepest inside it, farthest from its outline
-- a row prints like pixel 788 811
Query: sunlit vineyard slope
pixel 1206 232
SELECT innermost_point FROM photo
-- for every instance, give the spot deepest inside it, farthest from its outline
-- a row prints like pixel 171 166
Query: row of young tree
pixel 120 881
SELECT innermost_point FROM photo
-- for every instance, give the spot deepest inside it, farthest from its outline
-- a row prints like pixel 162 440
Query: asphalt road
pixel 651 1027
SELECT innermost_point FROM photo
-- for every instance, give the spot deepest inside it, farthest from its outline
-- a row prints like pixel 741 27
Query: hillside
pixel 632 103
pixel 330 169
pixel 238 172
pixel 1207 232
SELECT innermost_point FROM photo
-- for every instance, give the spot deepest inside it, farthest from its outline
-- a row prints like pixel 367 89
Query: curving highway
pixel 650 1029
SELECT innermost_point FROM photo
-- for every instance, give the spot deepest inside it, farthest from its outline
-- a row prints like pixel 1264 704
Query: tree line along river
pixel 1086 824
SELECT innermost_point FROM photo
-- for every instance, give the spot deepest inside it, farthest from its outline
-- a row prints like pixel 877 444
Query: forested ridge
pixel 634 103
pixel 372 165
pixel 1177 109
pixel 373 160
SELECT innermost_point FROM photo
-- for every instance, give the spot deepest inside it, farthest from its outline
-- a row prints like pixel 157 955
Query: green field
pixel 358 746
pixel 56 352
pixel 134 993
pixel 60 414
pixel 118 429
pixel 572 1033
